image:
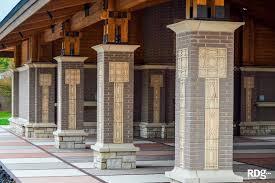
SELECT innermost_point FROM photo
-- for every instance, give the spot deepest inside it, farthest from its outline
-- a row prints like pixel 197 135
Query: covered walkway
pixel 37 160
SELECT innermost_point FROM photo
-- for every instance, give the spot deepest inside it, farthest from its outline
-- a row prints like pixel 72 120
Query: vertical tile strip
pixel 212 67
pixel 118 74
pixel 248 85
pixel 182 73
pixel 156 83
pixel 72 78
pixel 45 81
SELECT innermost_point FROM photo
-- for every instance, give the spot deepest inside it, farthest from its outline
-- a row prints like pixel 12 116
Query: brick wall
pixel 158 39
pixel 90 89
pixel 263 87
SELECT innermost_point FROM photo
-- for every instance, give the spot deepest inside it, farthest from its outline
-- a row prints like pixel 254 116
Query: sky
pixel 6 6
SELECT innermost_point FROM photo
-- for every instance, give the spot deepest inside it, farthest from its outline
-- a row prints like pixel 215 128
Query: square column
pixel 115 80
pixel 34 104
pixel 70 103
pixel 204 101
pixel 43 104
pixel 153 111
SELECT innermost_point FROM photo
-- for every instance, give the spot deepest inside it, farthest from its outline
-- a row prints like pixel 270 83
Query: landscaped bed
pixel 4 116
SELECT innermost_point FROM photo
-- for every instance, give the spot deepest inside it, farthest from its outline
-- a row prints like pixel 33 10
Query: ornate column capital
pixel 70 59
pixel 204 26
pixel 115 48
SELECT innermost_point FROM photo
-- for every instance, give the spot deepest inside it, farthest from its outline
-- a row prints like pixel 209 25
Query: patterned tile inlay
pixel 182 73
pixel 212 66
pixel 118 74
pixel 72 78
pixel 156 83
pixel 248 85
pixel 100 101
pixel 45 81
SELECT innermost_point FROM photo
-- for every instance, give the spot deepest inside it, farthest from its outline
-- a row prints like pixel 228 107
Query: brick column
pixel 204 101
pixel 15 94
pixel 70 94
pixel 115 79
pixel 33 106
pixel 152 101
pixel 43 101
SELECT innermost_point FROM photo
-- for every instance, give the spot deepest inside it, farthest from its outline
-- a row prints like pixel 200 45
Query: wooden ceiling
pixel 54 12
pixel 57 11
pixel 261 10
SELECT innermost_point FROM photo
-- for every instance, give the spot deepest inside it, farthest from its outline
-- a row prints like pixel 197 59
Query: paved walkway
pixel 38 161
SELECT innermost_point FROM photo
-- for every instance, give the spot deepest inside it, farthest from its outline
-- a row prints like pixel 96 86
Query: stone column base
pixel 136 129
pixel 257 128
pixel 114 156
pixel 202 176
pixel 70 139
pixel 40 130
pixel 17 126
pixel 157 130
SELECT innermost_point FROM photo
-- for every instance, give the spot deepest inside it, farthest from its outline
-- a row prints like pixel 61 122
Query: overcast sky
pixel 6 6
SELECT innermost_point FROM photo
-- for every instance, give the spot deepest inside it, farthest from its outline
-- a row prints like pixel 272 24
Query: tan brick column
pixel 204 101
pixel 115 80
pixel 70 102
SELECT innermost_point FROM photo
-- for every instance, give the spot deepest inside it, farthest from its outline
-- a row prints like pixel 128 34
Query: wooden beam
pixel 147 4
pixel 80 21
pixel 77 22
pixel 127 4
pixel 51 35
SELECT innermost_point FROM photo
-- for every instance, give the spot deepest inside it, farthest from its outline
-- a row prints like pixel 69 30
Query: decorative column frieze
pixel 212 67
pixel 204 101
pixel 156 84
pixel 118 74
pixel 248 86
pixel 45 82
pixel 114 148
pixel 72 78
pixel 181 75
pixel 70 103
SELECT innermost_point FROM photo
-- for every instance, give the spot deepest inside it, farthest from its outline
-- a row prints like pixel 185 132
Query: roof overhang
pixel 21 12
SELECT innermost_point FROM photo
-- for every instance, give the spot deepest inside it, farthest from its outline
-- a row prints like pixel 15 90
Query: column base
pixel 114 156
pixel 257 128
pixel 157 130
pixel 70 139
pixel 40 130
pixel 17 125
pixel 202 176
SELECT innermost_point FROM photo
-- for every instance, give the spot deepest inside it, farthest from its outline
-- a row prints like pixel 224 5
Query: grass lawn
pixel 4 116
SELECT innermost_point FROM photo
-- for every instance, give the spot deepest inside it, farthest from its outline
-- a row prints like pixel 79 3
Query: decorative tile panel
pixel 100 101
pixel 118 74
pixel 156 83
pixel 212 67
pixel 181 74
pixel 45 81
pixel 248 85
pixel 72 78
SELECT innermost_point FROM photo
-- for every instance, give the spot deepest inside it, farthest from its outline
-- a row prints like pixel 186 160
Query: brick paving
pixel 37 160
